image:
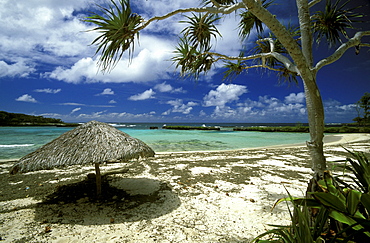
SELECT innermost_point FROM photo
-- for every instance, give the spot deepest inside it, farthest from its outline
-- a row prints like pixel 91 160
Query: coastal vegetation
pixel 18 119
pixel 191 128
pixel 363 110
pixel 337 129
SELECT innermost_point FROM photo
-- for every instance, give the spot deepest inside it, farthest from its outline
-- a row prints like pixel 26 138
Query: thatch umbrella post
pixel 91 143
pixel 98 180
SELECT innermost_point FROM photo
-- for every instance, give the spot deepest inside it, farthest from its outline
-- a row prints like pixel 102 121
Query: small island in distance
pixel 18 119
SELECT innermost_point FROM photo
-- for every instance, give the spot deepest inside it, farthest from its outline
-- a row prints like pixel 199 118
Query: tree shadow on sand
pixel 122 200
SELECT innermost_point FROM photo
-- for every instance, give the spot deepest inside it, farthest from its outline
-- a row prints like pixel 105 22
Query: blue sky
pixel 48 68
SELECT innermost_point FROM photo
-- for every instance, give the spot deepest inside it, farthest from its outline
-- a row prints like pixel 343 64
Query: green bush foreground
pixel 338 211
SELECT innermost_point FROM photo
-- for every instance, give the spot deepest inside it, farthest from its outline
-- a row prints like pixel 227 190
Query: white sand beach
pixel 220 196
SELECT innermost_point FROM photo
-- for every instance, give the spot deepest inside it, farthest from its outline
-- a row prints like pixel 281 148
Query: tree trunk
pixel 315 112
pixel 303 61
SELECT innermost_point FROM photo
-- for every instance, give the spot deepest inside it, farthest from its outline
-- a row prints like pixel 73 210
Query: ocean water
pixel 16 142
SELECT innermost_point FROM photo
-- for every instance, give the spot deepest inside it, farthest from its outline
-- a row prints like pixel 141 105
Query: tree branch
pixel 216 10
pixel 281 58
pixel 313 2
pixel 281 32
pixel 270 40
pixel 263 66
pixel 354 41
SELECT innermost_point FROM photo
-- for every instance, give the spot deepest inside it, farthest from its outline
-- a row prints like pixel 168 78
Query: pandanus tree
pixel 286 50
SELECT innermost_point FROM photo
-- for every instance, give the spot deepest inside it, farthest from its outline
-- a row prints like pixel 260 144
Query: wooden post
pixel 98 180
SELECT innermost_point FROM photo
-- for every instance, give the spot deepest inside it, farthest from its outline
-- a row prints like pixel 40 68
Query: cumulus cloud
pixel 26 98
pixel 180 107
pixel 112 102
pixel 224 93
pixel 295 98
pixel 148 64
pixel 48 91
pixel 148 94
pixel 16 69
pixel 114 116
pixel 46 30
pixel 337 111
pixel 107 91
pixel 265 108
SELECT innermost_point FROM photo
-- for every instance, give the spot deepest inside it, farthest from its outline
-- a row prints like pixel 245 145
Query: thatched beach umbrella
pixel 91 143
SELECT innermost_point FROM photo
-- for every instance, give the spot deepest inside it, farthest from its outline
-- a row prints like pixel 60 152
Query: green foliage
pixel 342 129
pixel 333 21
pixel 274 129
pixel 341 213
pixel 191 128
pixel 300 230
pixel 359 168
pixel 191 54
pixel 201 28
pixel 223 2
pixel 248 21
pixel 363 106
pixel 118 27
pixel 191 61
pixel 16 119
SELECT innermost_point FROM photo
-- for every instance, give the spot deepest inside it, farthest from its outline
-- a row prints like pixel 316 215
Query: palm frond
pixel 222 2
pixel 234 69
pixel 334 21
pixel 201 29
pixel 249 20
pixel 117 25
pixel 192 61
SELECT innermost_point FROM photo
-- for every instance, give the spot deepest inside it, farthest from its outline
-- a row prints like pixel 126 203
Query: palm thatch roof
pixel 92 142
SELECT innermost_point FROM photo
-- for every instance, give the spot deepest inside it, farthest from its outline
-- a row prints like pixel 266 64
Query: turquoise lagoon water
pixel 16 142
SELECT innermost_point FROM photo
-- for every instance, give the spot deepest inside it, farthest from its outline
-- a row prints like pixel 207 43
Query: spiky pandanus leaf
pixel 334 21
pixel 222 2
pixel 118 27
pixel 200 30
pixel 191 61
pixel 249 20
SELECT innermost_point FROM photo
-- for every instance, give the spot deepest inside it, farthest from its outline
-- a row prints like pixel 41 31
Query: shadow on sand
pixel 123 200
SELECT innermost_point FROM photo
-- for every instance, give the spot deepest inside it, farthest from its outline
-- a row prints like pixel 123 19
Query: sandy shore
pixel 220 196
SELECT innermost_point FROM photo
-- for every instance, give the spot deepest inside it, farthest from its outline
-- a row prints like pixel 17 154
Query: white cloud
pixel 107 91
pixel 295 98
pixel 224 93
pixel 48 91
pixel 149 64
pixel 52 32
pixel 180 107
pixel 75 110
pixel 43 30
pixel 16 69
pixel 164 87
pixel 337 112
pixel 148 94
pixel 112 102
pixel 26 98
pixel 264 109
pixel 104 116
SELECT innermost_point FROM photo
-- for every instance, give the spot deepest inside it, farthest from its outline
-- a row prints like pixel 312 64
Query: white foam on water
pixel 15 145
